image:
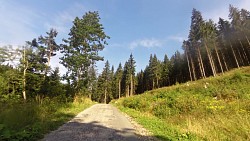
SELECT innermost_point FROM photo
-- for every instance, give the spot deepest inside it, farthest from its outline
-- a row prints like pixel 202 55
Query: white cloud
pixel 148 43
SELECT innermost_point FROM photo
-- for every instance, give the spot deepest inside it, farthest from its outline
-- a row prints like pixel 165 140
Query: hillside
pixel 216 108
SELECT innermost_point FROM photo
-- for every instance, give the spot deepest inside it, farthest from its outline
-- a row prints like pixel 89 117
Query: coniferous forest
pixel 211 49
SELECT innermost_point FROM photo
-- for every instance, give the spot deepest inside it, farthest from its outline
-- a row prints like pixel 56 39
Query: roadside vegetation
pixel 215 108
pixel 36 98
pixel 31 120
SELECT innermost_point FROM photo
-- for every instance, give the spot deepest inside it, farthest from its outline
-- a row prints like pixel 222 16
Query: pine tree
pixel 194 39
pixel 86 39
pixel 118 79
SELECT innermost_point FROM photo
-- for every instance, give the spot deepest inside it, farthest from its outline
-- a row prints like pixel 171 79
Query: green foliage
pixel 30 120
pixel 86 39
pixel 206 109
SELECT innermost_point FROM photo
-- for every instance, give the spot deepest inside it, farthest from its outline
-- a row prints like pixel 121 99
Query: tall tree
pixel 155 71
pixel 195 39
pixel 50 46
pixel 225 32
pixel 165 71
pixel 118 78
pixel 86 39
pixel 131 68
pixel 106 75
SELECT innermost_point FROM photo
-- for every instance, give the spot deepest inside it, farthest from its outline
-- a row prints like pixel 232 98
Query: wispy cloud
pixel 223 11
pixel 63 19
pixel 148 43
pixel 177 38
pixel 16 23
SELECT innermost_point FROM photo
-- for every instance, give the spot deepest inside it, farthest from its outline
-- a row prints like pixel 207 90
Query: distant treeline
pixel 210 49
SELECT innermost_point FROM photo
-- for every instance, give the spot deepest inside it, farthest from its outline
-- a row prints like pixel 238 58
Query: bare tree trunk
pixel 241 59
pixel 203 74
pixel 234 55
pixel 247 40
pixel 244 52
pixel 25 67
pixel 193 68
pixel 190 73
pixel 218 57
pixel 202 66
pixel 212 60
pixel 209 58
pixel 225 63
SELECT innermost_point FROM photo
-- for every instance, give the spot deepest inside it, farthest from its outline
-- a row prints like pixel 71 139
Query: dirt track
pixel 101 122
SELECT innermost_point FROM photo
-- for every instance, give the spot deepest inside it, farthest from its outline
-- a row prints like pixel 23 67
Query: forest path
pixel 100 122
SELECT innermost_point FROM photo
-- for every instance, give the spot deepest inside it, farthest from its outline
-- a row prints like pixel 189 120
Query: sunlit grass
pixel 30 120
pixel 216 108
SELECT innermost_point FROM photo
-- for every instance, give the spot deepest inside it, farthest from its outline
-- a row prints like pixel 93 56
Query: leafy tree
pixel 86 39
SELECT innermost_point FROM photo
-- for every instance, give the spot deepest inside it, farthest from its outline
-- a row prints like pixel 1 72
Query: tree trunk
pixel 247 40
pixel 131 85
pixel 225 63
pixel 203 74
pixel 157 82
pixel 127 95
pixel 218 57
pixel 190 73
pixel 25 67
pixel 153 84
pixel 105 95
pixel 212 61
pixel 234 55
pixel 193 68
pixel 240 56
pixel 202 66
pixel 244 52
pixel 209 58
pixel 119 88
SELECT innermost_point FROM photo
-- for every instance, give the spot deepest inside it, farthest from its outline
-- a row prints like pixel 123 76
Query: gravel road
pixel 101 122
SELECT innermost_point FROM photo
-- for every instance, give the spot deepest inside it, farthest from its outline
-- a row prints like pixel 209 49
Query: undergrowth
pixel 216 108
pixel 31 120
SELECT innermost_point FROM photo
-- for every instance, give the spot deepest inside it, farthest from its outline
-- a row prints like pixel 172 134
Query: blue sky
pixel 141 27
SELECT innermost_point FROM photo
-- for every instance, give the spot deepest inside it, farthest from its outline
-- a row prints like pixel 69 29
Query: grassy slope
pixel 30 121
pixel 216 108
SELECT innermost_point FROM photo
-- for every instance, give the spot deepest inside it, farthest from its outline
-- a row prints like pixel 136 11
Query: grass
pixel 216 108
pixel 30 120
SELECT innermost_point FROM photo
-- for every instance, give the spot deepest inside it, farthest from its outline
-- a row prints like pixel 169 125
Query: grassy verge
pixel 216 108
pixel 160 129
pixel 30 121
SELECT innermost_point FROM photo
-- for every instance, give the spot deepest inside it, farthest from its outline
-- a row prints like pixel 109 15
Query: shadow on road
pixel 93 131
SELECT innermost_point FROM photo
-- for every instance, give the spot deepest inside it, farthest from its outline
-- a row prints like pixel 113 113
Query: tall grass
pixel 216 108
pixel 31 120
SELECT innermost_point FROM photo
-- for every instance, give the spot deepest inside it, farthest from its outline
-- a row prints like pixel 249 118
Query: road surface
pixel 101 122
